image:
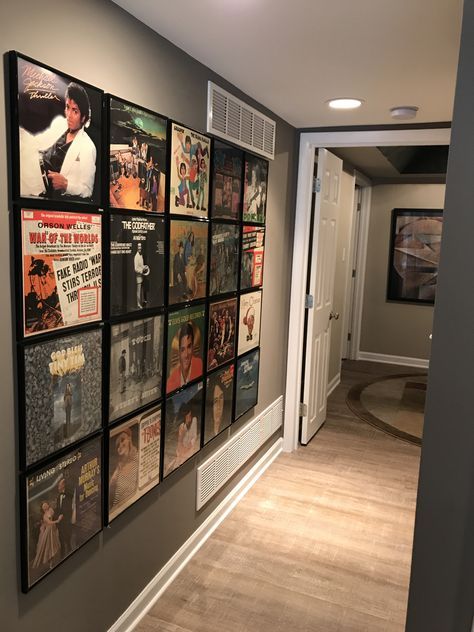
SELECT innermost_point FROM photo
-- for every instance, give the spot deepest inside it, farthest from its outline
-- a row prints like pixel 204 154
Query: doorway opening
pixel 348 324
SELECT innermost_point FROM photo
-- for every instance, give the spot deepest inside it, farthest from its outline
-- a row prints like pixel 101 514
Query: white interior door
pixel 322 273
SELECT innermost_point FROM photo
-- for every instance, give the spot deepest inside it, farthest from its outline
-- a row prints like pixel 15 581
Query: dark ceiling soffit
pixel 374 128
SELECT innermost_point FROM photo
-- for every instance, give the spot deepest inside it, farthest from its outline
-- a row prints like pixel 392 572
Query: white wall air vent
pixel 221 465
pixel 233 120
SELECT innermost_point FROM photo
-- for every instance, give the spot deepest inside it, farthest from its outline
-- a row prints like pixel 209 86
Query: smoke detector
pixel 404 112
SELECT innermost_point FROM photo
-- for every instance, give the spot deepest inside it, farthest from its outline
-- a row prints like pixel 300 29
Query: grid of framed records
pixel 139 248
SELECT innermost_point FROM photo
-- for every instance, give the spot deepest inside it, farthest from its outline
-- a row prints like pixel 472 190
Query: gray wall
pixel 400 329
pixel 120 55
pixel 442 580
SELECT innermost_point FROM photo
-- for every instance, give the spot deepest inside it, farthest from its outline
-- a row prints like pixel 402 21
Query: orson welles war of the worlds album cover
pixel 189 172
pixel 137 158
pixel 63 509
pixel 62 269
pixel 134 460
pixel 59 132
pixel 63 392
pixel 136 359
pixel 137 255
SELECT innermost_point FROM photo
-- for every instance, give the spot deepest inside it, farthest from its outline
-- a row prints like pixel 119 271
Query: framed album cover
pixel 251 273
pixel 186 337
pixel 255 189
pixel 57 131
pixel 246 387
pixel 189 171
pixel 182 438
pixel 249 321
pixel 138 154
pixel 224 258
pixel 187 260
pixel 134 460
pixel 137 263
pixel 221 332
pixel 415 244
pixel 226 198
pixel 62 399
pixel 61 509
pixel 219 402
pixel 136 361
pixel 61 256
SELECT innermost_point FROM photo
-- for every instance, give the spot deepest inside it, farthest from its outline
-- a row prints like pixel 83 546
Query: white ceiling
pixel 292 56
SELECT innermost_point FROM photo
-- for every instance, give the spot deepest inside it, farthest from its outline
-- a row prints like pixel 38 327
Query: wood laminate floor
pixel 322 542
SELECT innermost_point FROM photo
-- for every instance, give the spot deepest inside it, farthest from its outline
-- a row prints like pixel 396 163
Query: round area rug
pixel 393 403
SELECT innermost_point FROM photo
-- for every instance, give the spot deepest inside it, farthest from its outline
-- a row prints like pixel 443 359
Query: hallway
pixel 322 542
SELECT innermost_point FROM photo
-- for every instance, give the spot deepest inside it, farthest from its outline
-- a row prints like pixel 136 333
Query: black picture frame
pixel 219 402
pixel 136 365
pixel 246 382
pixel 60 257
pixel 137 144
pixel 250 316
pixel 187 177
pixel 188 260
pixel 44 546
pixel 184 408
pixel 221 332
pixel 255 189
pixel 61 393
pixel 134 460
pixel 227 179
pixel 415 242
pixel 224 258
pixel 186 338
pixel 41 149
pixel 253 256
pixel 138 285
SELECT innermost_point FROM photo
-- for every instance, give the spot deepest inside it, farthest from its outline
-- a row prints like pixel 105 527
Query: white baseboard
pixel 419 363
pixel 152 592
pixel 334 383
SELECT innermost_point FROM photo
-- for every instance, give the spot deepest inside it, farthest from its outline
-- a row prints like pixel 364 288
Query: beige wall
pixel 343 266
pixel 399 329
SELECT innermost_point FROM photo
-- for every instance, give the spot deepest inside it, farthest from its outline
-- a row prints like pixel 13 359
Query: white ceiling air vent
pixel 233 120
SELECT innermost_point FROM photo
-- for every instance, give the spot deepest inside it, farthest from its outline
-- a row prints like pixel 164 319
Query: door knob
pixel 334 315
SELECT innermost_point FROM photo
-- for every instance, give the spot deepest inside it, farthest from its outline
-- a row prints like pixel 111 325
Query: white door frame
pixel 309 141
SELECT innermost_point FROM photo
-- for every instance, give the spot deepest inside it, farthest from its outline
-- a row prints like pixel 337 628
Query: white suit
pixel 78 165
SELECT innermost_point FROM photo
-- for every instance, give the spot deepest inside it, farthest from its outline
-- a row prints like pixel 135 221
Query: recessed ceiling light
pixel 344 103
pixel 404 112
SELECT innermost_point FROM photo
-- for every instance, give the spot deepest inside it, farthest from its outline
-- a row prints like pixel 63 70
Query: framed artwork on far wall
pixel 186 336
pixel 57 132
pixel 134 460
pixel 246 387
pixel 137 155
pixel 61 509
pixel 189 171
pixel 221 332
pixel 187 260
pixel 255 189
pixel 415 243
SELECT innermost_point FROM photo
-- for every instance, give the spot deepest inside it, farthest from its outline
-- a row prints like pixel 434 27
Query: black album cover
pixel 63 392
pixel 136 263
pixel 246 388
